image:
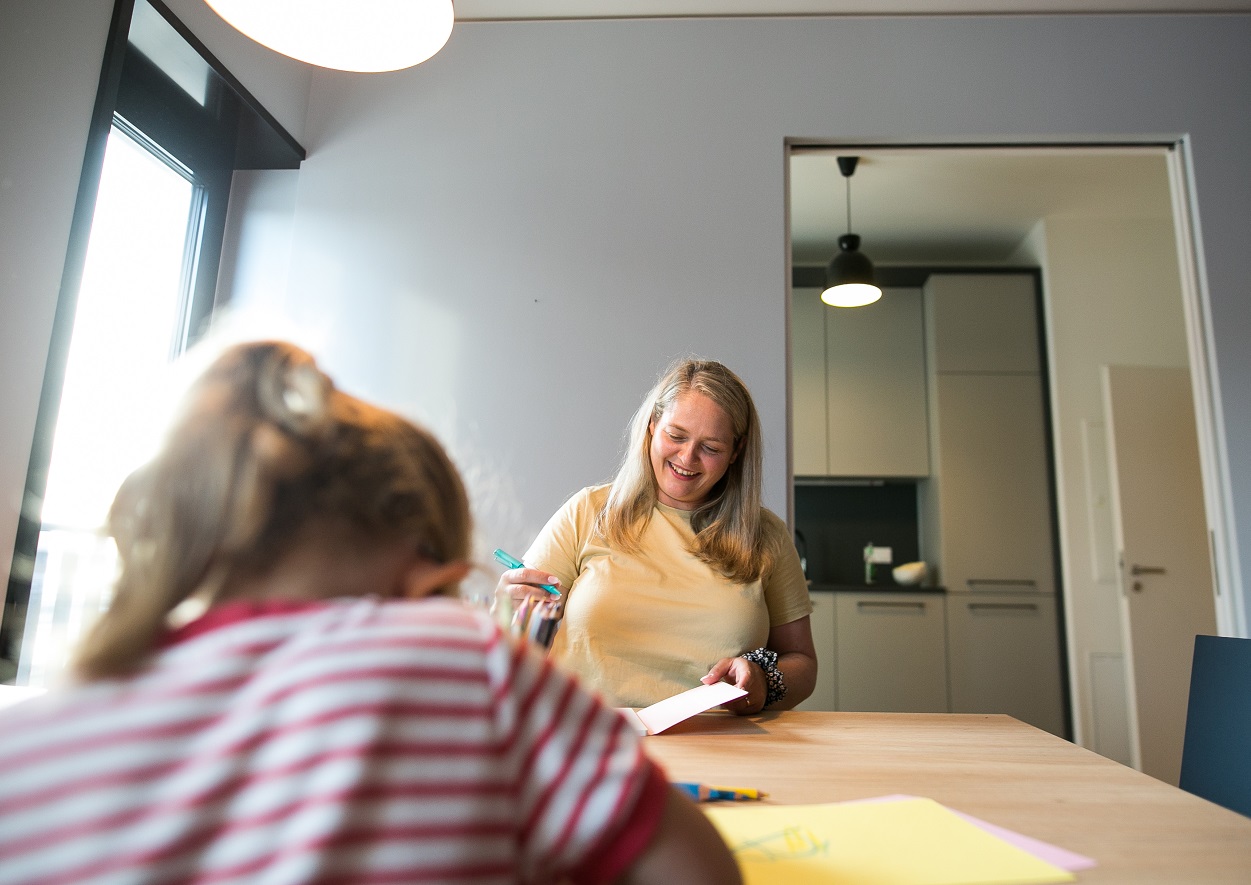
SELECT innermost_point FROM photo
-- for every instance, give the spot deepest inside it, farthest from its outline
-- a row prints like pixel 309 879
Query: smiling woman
pixel 693 444
pixel 675 574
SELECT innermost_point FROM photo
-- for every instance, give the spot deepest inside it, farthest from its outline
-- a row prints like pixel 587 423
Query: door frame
pixel 1229 604
pixel 1231 615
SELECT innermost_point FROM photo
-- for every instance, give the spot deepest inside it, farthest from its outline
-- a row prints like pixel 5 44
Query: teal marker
pixel 513 562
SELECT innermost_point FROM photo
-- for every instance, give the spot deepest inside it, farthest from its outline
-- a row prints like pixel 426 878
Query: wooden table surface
pixel 994 767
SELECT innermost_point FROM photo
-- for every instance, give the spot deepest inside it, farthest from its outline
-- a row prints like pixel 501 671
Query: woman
pixel 329 718
pixel 674 572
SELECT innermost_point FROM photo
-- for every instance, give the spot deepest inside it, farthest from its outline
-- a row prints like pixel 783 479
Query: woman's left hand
pixel 745 675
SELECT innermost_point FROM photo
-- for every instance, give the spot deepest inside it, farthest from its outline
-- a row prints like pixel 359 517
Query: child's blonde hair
pixel 264 448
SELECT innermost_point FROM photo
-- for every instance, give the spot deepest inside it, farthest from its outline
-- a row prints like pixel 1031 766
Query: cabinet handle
pixel 1146 570
pixel 1025 606
pixel 974 583
pixel 893 604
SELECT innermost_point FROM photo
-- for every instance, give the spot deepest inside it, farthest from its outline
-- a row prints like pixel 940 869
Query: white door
pixel 1162 534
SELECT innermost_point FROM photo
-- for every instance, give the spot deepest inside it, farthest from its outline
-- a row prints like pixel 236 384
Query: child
pixel 317 723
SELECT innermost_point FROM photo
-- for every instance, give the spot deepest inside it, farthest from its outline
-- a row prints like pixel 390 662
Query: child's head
pixel 265 456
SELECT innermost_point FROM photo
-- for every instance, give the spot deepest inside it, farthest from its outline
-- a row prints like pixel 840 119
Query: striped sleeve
pixel 588 797
pixel 357 741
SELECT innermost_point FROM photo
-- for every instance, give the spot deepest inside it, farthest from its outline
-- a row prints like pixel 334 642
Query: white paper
pixel 669 712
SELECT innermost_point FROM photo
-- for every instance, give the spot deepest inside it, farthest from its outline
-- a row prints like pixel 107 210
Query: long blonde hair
pixel 727 526
pixel 263 448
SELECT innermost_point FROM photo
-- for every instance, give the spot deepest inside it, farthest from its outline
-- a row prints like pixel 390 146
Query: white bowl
pixel 909 573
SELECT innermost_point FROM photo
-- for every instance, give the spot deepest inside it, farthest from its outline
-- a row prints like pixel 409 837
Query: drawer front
pixel 891 652
pixel 1004 656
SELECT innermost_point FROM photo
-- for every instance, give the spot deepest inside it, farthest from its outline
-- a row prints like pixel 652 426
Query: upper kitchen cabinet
pixel 983 322
pixel 859 382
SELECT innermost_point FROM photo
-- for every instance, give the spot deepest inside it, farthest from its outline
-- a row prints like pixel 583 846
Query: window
pixel 169 128
pixel 126 328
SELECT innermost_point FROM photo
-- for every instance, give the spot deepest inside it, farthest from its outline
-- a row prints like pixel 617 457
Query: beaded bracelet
pixel 767 660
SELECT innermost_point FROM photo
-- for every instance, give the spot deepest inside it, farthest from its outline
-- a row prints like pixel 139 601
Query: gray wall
pixel 50 55
pixel 511 239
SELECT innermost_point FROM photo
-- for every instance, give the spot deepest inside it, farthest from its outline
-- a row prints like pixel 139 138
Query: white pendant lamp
pixel 849 278
pixel 366 36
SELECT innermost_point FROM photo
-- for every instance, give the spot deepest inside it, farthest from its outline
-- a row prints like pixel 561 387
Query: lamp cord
pixel 848 191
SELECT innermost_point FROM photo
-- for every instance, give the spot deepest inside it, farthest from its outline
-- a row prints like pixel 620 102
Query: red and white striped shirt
pixel 353 740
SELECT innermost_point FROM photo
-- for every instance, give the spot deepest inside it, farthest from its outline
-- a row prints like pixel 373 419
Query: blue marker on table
pixel 513 562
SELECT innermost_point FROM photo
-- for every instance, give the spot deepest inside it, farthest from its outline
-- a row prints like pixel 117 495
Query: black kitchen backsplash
pixel 837 521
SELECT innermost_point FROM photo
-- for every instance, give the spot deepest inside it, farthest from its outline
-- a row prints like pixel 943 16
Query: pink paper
pixel 1052 854
pixel 671 711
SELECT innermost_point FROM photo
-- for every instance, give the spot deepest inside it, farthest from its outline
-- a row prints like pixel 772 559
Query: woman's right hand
pixel 518 583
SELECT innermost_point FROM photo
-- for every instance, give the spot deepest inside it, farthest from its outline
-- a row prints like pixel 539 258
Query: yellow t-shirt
pixel 640 627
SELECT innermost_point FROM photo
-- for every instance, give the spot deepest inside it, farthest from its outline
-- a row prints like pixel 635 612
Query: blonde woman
pixel 333 716
pixel 673 573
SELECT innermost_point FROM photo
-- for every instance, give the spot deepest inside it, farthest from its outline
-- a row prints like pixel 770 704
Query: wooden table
pixel 1138 829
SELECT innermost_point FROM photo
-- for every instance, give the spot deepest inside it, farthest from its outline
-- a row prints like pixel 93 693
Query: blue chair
pixel 1216 752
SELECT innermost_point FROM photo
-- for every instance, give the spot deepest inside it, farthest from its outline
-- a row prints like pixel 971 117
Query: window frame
pixel 230 130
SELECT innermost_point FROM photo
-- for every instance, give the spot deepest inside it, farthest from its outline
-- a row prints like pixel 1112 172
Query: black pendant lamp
pixel 849 276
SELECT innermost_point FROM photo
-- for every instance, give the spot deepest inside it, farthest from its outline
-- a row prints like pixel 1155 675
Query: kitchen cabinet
pixel 891 652
pixel 993 522
pixel 809 399
pixel 984 501
pixel 925 652
pixel 861 374
pixel 824 696
pixel 982 322
pixel 1003 657
pixel 986 510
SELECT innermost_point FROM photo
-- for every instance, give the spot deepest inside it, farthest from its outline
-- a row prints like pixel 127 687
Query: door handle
pixel 1136 570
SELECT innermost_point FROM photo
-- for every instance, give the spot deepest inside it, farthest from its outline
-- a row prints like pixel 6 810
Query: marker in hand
pixel 513 562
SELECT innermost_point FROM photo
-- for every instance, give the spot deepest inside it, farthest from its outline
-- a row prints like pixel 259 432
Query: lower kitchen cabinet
pixel 1003 657
pixel 891 652
pixel 824 697
pixel 894 651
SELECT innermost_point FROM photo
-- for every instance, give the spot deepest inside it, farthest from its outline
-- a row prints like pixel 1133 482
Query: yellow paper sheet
pixel 908 842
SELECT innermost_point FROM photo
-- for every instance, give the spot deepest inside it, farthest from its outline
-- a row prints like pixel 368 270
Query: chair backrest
pixel 1216 752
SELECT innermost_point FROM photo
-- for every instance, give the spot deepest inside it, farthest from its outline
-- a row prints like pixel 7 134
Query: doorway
pixel 1109 228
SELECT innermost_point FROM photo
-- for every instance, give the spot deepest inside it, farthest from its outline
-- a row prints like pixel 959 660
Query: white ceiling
pixel 471 10
pixel 965 205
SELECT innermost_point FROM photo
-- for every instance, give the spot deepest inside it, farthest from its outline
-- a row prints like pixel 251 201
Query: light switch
pixel 881 555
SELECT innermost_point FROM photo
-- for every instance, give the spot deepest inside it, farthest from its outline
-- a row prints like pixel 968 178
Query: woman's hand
pixel 519 583
pixel 797 661
pixel 744 674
